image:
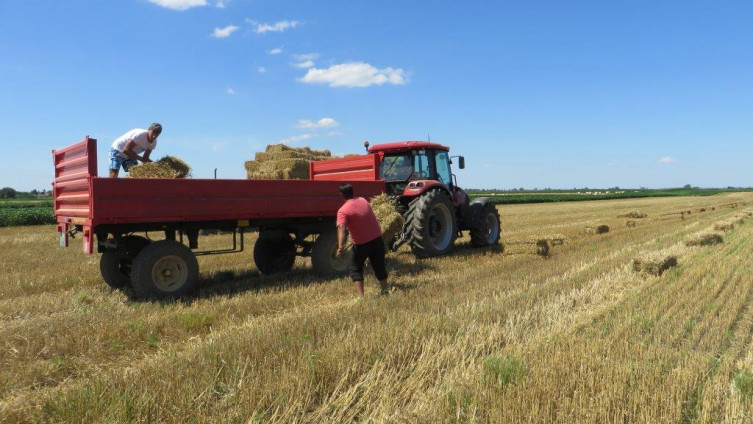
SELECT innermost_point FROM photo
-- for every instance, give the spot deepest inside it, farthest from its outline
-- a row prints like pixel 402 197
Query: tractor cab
pixel 411 167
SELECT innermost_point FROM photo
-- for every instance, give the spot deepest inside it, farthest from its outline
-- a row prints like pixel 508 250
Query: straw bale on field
pixel 554 239
pixel 281 162
pixel 599 229
pixel 630 223
pixel 654 263
pixel 703 239
pixel 633 214
pixel 529 246
pixel 724 226
pixel 167 167
pixel 390 220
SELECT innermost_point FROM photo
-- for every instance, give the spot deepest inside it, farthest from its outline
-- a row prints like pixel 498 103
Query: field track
pixel 481 335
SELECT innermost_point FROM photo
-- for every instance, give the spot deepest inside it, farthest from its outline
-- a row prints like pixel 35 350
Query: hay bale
pixel 633 214
pixel 724 226
pixel 654 263
pixel 629 223
pixel 554 239
pixel 166 167
pixel 703 239
pixel 599 229
pixel 390 220
pixel 282 162
pixel 530 246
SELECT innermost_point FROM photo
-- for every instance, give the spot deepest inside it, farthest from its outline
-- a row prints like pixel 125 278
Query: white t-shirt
pixel 138 136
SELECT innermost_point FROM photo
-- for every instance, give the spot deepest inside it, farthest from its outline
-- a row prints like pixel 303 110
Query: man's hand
pixel 340 250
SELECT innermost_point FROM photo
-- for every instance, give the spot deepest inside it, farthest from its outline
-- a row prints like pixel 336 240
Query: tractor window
pixel 396 168
pixel 421 165
pixel 444 175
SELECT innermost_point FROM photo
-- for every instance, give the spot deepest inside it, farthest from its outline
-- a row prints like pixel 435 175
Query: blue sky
pixel 534 94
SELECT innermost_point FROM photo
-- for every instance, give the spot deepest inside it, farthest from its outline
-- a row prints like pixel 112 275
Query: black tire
pixel 431 224
pixel 487 233
pixel 164 269
pixel 115 265
pixel 324 257
pixel 274 253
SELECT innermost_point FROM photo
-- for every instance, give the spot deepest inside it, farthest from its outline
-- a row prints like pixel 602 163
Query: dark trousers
pixel 374 250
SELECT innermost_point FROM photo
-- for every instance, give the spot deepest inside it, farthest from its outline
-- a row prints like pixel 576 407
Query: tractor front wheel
pixel 430 224
pixel 487 233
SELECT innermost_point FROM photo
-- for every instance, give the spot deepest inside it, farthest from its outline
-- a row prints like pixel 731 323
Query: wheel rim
pixel 492 229
pixel 440 226
pixel 169 273
pixel 340 263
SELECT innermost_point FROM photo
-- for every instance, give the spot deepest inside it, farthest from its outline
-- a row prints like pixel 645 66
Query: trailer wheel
pixel 115 265
pixel 430 224
pixel 324 257
pixel 274 253
pixel 164 269
pixel 487 233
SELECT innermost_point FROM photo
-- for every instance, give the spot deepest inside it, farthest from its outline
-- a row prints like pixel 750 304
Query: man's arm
pixel 146 156
pixel 128 151
pixel 341 238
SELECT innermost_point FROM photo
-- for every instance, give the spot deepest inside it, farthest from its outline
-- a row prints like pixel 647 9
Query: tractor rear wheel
pixel 487 233
pixel 274 253
pixel 115 265
pixel 430 224
pixel 164 269
pixel 324 257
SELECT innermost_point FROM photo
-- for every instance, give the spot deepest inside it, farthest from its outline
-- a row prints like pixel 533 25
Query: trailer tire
pixel 116 265
pixel 430 224
pixel 164 269
pixel 324 257
pixel 274 253
pixel 487 232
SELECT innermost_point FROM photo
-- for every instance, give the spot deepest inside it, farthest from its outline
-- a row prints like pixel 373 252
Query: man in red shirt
pixel 356 215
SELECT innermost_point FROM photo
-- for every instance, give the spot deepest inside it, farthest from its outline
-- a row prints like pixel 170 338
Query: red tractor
pixel 435 208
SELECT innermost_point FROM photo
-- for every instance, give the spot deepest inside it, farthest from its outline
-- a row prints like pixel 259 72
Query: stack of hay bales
pixel 599 229
pixel 390 220
pixel 167 167
pixel 703 239
pixel 281 162
pixel 654 263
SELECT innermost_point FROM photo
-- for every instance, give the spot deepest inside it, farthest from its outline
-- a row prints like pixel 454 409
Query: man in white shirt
pixel 133 146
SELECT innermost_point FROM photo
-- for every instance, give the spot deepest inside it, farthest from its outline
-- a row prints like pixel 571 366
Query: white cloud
pixel 667 159
pixel 230 91
pixel 224 32
pixel 354 74
pixel 305 65
pixel 221 4
pixel 262 70
pixel 296 138
pixel 322 123
pixel 275 51
pixel 275 27
pixel 179 4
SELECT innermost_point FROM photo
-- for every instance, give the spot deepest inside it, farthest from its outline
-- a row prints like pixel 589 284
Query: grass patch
pixel 503 370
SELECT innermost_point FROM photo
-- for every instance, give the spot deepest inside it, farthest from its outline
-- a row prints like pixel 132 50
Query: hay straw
pixel 531 246
pixel 703 239
pixel 633 214
pixel 654 263
pixel 724 226
pixel 630 223
pixel 166 167
pixel 600 229
pixel 281 162
pixel 390 220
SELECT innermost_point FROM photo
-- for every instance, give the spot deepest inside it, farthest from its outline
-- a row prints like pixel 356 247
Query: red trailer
pixel 293 217
pixel 107 212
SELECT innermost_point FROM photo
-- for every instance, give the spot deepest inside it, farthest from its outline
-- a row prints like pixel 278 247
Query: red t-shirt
pixel 357 215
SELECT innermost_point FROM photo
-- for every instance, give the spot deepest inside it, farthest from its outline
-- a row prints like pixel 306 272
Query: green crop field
pixel 546 196
pixel 25 212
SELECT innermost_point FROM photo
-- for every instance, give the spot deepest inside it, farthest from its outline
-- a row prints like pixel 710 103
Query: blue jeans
pixel 117 160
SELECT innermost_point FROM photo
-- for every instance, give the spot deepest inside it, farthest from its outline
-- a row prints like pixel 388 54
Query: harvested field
pixel 475 336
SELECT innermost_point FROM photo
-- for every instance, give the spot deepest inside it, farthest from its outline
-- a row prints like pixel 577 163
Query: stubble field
pixel 481 335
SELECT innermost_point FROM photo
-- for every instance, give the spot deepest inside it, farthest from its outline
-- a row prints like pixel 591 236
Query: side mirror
pixel 461 162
